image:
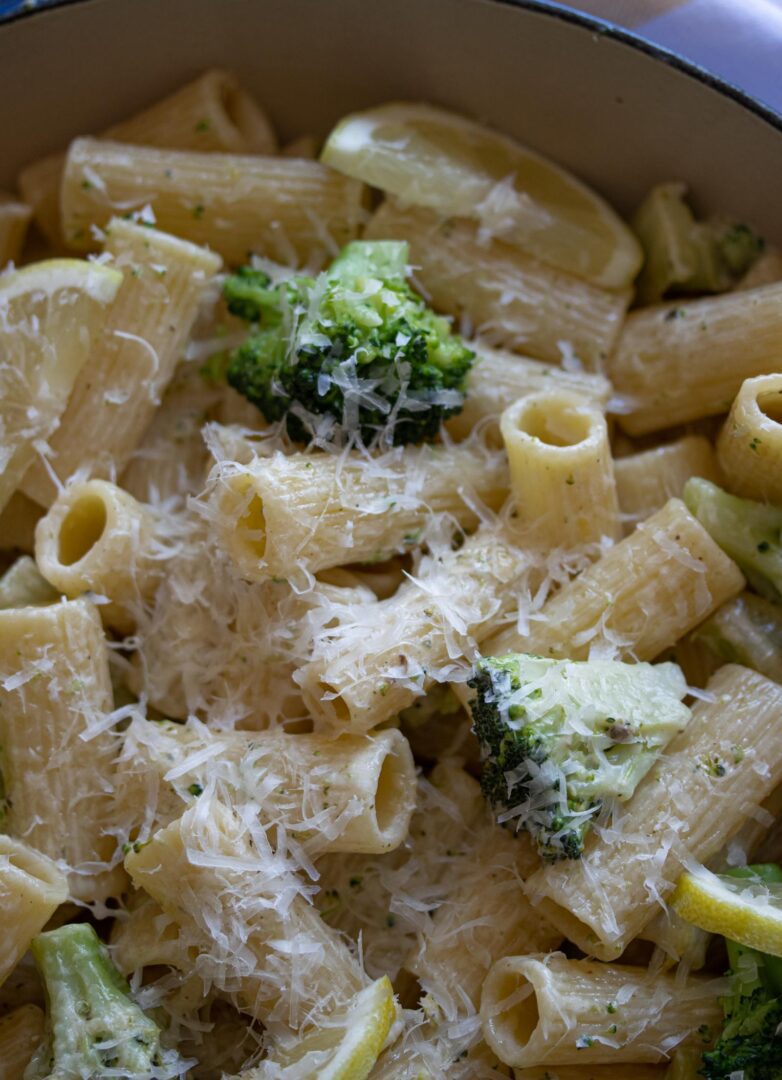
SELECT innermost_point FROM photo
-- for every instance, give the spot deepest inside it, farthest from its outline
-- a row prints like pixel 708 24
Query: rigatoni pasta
pixel 510 297
pixel 132 361
pixel 20 1033
pixel 32 887
pixel 14 219
pixel 288 209
pixel 561 471
pixel 548 1009
pixel 687 360
pixel 647 480
pixel 749 447
pixel 296 513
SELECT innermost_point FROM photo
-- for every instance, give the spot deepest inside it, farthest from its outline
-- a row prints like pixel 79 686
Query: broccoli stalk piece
pixel 351 353
pixel 561 739
pixel 747 630
pixel 749 1044
pixel 93 1029
pixel 750 532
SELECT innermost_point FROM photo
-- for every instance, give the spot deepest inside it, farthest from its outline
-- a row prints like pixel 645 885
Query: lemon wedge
pixel 430 157
pixel 746 910
pixel 50 312
pixel 349 1047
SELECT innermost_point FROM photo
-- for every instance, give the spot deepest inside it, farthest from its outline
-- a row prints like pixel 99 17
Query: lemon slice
pixel 348 1048
pixel 50 313
pixel 430 157
pixel 746 910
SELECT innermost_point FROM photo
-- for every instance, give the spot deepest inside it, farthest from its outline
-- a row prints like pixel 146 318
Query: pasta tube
pixel 550 1010
pixel 697 796
pixel 20 1033
pixel 212 113
pixel 291 210
pixel 204 871
pixel 679 362
pixel 133 359
pixel 22 585
pixel 510 297
pixel 297 513
pixel 97 538
pixel 561 470
pixel 638 599
pixel 349 794
pixel 378 663
pixel 748 631
pixel 32 887
pixel 14 219
pixel 646 481
pixel 498 378
pixel 749 447
pixel 55 698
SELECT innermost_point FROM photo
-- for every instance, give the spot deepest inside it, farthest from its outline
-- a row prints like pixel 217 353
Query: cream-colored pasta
pixel 14 219
pixel 354 793
pixel 698 795
pixel 647 480
pixel 20 1033
pixel 212 113
pixel 291 210
pixel 224 900
pixel 498 378
pixel 640 598
pixel 133 360
pixel 23 585
pixel 380 663
pixel 55 698
pixel 679 362
pixel 485 915
pixel 18 521
pixel 548 1009
pixel 561 471
pixel 749 447
pixel 97 538
pixel 41 353
pixel 32 887
pixel 296 513
pixel 510 297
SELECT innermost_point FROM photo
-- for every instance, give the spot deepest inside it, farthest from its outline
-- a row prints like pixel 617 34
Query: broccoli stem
pixel 750 532
pixel 93 1027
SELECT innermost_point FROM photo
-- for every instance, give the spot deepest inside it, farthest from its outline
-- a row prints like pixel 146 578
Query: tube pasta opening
pixel 749 447
pixel 553 419
pixel 49 880
pixel 770 402
pixel 514 1011
pixel 81 528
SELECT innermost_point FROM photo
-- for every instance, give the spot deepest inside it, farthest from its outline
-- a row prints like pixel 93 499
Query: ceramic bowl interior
pixel 620 114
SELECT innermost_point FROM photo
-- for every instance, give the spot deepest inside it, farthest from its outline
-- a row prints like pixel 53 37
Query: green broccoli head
pixel 560 739
pixel 750 532
pixel 749 1043
pixel 93 1029
pixel 352 353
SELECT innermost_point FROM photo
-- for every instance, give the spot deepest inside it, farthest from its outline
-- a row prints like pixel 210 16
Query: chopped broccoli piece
pixel 748 631
pixel 750 532
pixel 353 352
pixel 750 1044
pixel 560 739
pixel 93 1029
pixel 688 256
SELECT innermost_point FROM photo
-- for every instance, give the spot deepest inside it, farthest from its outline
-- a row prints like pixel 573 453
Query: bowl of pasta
pixel 390 549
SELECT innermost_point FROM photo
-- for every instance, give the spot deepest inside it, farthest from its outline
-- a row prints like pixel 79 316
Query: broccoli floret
pixel 353 352
pixel 93 1029
pixel 749 1044
pixel 684 255
pixel 559 739
pixel 750 532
